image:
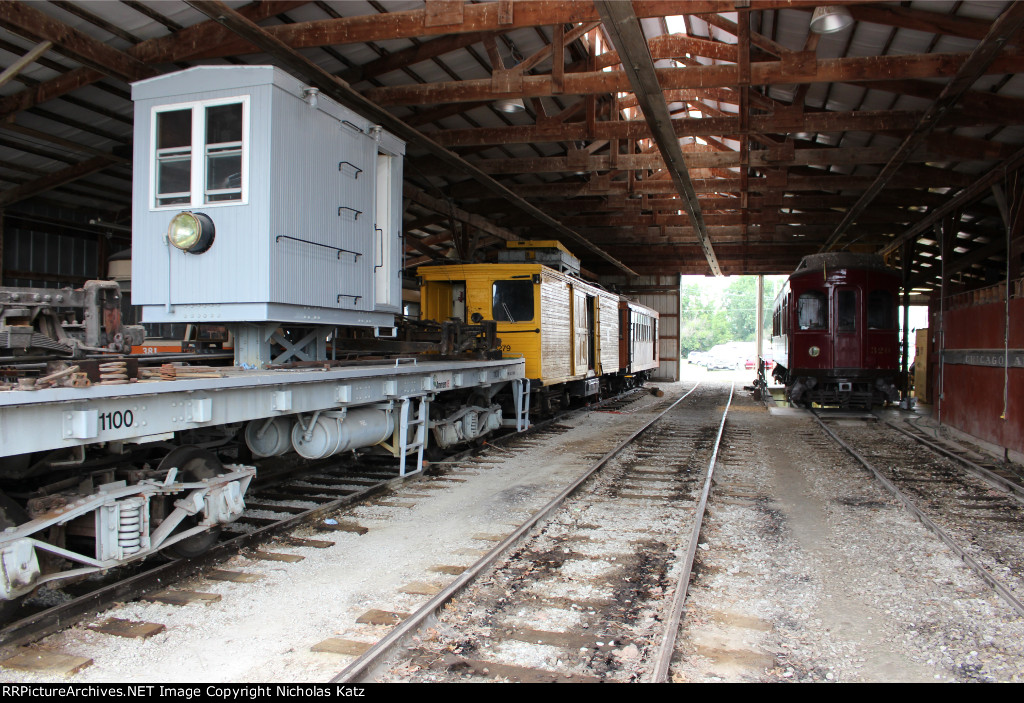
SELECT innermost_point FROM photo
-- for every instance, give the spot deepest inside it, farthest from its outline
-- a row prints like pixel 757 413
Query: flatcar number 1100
pixel 116 420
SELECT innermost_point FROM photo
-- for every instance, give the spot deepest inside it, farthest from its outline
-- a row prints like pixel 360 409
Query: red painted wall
pixel 973 395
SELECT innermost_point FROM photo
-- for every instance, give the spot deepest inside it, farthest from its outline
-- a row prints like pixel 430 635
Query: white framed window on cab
pixel 200 154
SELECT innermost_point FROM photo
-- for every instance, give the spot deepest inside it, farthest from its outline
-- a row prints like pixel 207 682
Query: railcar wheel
pixel 194 464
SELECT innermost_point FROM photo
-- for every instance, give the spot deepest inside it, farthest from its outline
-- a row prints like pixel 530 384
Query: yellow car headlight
pixel 192 232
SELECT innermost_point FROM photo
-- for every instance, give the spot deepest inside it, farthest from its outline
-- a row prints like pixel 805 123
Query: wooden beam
pixel 990 105
pixel 921 20
pixel 15 68
pixel 628 37
pixel 962 262
pixel 415 54
pixel 22 18
pixel 67 144
pixel 818 122
pixel 851 69
pixel 446 208
pixel 934 178
pixel 1003 29
pixel 152 51
pixel 978 188
pixel 482 17
pixel 830 156
pixel 406 24
pixel 53 180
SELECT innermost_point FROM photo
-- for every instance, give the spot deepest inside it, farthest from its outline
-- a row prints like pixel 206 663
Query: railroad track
pixel 277 511
pixel 976 512
pixel 578 591
pixel 1005 475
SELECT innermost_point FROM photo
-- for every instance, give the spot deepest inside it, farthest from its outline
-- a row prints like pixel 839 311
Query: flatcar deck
pixel 54 418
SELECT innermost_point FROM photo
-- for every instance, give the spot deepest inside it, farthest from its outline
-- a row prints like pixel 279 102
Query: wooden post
pixel 906 260
pixel 760 317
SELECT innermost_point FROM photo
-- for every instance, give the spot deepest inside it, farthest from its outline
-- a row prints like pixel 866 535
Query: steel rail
pixel 59 617
pixel 1015 490
pixel 983 573
pixel 45 622
pixel 668 641
pixel 366 664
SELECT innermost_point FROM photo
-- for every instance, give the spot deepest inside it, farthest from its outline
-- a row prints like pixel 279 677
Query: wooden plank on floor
pixel 182 597
pixel 277 556
pixel 335 645
pixel 233 576
pixel 127 628
pixel 304 542
pixel 488 537
pixel 270 508
pixel 343 526
pixel 45 661
pixel 421 588
pixel 381 617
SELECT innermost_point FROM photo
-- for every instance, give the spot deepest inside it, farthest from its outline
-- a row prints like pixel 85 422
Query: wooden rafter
pixel 816 122
pixel 804 70
pixel 23 19
pixel 1003 29
pixel 624 28
pixel 153 51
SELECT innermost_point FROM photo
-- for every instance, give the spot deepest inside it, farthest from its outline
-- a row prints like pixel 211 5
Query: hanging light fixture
pixel 509 105
pixel 830 19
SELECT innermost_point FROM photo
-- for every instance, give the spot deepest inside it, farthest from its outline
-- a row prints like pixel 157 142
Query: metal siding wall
pixel 308 189
pixel 235 267
pixel 973 395
pixel 44 252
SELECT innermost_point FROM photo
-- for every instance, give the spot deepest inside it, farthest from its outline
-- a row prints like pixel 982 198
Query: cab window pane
pixel 224 152
pixel 847 310
pixel 881 310
pixel 173 157
pixel 812 310
pixel 512 301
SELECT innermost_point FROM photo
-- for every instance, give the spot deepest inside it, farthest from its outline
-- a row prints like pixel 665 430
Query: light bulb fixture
pixel 830 19
pixel 509 105
pixel 192 232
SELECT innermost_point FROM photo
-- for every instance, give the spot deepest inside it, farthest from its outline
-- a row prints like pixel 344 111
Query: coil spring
pixel 129 530
pixel 471 425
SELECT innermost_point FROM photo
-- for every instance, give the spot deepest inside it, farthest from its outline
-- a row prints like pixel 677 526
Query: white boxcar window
pixel 200 153
pixel 173 157
pixel 223 152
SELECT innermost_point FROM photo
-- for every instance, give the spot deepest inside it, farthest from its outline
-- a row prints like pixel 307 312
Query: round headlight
pixel 192 232
pixel 814 351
